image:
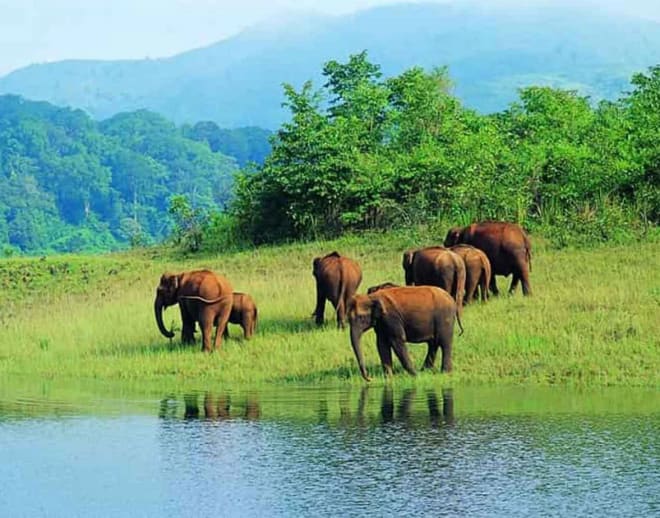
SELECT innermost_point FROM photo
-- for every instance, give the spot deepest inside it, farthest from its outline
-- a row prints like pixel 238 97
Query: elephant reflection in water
pixel 403 413
pixel 216 407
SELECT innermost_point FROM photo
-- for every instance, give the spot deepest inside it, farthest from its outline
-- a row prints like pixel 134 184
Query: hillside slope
pixel 237 82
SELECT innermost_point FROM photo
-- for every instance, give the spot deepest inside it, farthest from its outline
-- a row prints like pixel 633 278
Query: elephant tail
pixel 342 288
pixel 460 324
pixel 528 251
pixel 202 299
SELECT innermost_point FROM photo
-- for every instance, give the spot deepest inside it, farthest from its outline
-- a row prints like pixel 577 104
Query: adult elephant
pixel 337 280
pixel 477 271
pixel 507 246
pixel 244 313
pixel 203 296
pixel 436 266
pixel 404 314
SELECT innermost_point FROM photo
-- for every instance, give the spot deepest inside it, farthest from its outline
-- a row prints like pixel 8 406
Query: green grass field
pixel 593 320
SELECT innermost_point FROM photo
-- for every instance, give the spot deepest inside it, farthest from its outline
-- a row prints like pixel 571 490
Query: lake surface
pixel 286 451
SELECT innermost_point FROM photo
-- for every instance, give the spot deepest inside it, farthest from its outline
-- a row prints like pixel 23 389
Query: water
pixel 332 452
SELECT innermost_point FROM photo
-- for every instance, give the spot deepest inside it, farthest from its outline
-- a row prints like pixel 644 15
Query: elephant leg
pixel 385 353
pixel 446 338
pixel 429 362
pixel 222 323
pixel 225 333
pixel 341 314
pixel 470 288
pixel 247 327
pixel 514 283
pixel 483 287
pixel 187 326
pixel 206 324
pixel 524 277
pixel 401 351
pixel 320 306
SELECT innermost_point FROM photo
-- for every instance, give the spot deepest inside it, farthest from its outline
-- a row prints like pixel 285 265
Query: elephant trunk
pixel 158 310
pixel 356 334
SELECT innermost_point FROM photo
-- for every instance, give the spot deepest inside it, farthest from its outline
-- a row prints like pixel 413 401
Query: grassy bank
pixel 593 319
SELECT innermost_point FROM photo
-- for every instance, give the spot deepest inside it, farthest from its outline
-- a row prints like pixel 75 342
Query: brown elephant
pixel 506 245
pixel 405 314
pixel 383 286
pixel 477 271
pixel 203 296
pixel 243 312
pixel 337 279
pixel 436 266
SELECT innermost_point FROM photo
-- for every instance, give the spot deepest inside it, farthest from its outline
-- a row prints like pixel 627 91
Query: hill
pixel 69 183
pixel 237 82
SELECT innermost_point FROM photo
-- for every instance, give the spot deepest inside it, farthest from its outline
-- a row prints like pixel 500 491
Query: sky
pixel 37 31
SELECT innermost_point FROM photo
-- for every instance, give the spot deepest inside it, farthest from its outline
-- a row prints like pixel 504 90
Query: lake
pixel 95 450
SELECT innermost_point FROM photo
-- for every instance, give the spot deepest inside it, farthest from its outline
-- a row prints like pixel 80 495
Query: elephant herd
pixel 439 281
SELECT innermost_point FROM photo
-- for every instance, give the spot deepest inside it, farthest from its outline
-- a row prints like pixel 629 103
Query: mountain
pixel 490 51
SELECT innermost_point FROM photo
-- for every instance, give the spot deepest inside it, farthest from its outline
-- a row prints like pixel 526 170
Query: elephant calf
pixel 337 280
pixel 477 271
pixel 404 314
pixel 244 313
pixel 383 286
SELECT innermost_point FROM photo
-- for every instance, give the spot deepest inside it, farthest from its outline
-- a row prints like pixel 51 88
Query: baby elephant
pixel 243 312
pixel 383 286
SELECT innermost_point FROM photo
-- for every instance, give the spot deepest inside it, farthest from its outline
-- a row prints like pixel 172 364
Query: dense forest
pixel 361 152
pixel 69 183
pixel 367 152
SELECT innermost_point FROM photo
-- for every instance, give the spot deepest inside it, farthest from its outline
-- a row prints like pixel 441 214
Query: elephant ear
pixel 378 310
pixel 408 258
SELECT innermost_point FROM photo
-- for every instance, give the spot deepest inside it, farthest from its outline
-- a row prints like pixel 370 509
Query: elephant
pixel 404 314
pixel 337 279
pixel 477 271
pixel 506 245
pixel 203 296
pixel 383 286
pixel 436 266
pixel 243 312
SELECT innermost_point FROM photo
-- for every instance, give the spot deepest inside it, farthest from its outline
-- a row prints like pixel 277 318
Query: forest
pixel 368 152
pixel 69 183
pixel 360 152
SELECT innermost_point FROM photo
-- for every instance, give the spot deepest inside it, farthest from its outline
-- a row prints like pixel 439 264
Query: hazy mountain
pixel 237 82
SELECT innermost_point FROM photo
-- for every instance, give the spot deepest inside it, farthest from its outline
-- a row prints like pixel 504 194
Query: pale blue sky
pixel 36 31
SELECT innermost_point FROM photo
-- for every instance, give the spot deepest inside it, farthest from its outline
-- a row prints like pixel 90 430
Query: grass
pixel 593 320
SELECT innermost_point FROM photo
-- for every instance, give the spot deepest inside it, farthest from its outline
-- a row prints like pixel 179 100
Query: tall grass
pixel 593 320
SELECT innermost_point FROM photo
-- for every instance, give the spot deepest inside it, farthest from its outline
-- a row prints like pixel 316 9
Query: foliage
pixel 249 144
pixel 68 183
pixel 187 223
pixel 365 152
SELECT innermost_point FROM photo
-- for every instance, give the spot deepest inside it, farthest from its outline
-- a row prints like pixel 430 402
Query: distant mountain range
pixel 237 82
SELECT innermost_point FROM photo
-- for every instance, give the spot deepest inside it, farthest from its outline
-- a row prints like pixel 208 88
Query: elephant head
pixel 363 313
pixel 453 236
pixel 407 262
pixel 166 295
